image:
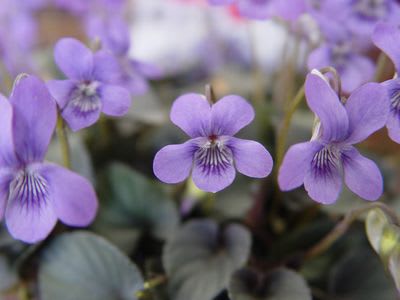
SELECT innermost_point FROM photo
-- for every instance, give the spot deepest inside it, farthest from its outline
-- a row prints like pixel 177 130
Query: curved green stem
pixel 210 95
pixel 380 66
pixel 151 284
pixel 208 203
pixel 344 225
pixel 63 140
pixel 283 132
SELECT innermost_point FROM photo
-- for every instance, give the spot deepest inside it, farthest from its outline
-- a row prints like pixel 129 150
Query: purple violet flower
pixel 92 86
pixel 387 38
pixel 321 163
pixel 212 152
pixel 34 193
pixel 114 35
pixel 361 16
pixel 288 10
pixel 221 2
pixel 354 68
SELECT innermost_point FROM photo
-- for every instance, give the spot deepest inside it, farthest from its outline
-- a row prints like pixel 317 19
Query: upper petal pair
pixel 365 111
pixel 28 121
pixel 78 62
pixel 194 115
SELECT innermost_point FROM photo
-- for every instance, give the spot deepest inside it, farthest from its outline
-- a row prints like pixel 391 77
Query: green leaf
pixel 133 203
pixel 384 237
pixel 202 256
pixel 394 268
pixel 280 284
pixel 83 266
pixel 359 275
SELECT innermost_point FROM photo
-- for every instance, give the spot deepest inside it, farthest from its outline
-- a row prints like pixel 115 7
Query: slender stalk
pixel 380 66
pixel 336 76
pixel 208 203
pixel 283 132
pixel 259 84
pixel 64 145
pixel 210 95
pixel 342 227
pixel 151 284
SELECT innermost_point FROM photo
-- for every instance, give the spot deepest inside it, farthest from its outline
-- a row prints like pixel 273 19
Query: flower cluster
pixel 35 193
pixel 345 27
pixel 265 9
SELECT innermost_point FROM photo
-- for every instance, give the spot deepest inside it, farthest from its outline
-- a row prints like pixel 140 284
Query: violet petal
pixel 251 158
pixel 73 197
pixel 296 163
pixel 324 102
pixel 172 164
pixel 61 90
pixel 192 113
pixel 362 175
pixel 230 114
pixel 116 100
pixel 34 118
pixel 74 59
pixel 7 154
pixel 368 109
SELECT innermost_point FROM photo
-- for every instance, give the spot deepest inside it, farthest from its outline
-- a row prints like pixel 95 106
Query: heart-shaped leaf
pixel 359 275
pixel 384 236
pixel 83 266
pixel 394 268
pixel 132 203
pixel 202 256
pixel 280 284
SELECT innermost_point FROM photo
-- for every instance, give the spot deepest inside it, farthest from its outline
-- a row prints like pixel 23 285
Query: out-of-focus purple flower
pixel 113 32
pixel 321 163
pixel 221 2
pixel 33 193
pixel 86 7
pixel 387 38
pixel 354 68
pixel 18 33
pixel 92 86
pixel 288 10
pixel 212 152
pixel 361 16
pixel 255 9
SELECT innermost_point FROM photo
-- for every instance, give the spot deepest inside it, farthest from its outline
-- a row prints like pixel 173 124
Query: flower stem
pixel 336 76
pixel 380 66
pixel 151 284
pixel 210 95
pixel 63 140
pixel 342 227
pixel 283 132
pixel 208 203
pixel 259 84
